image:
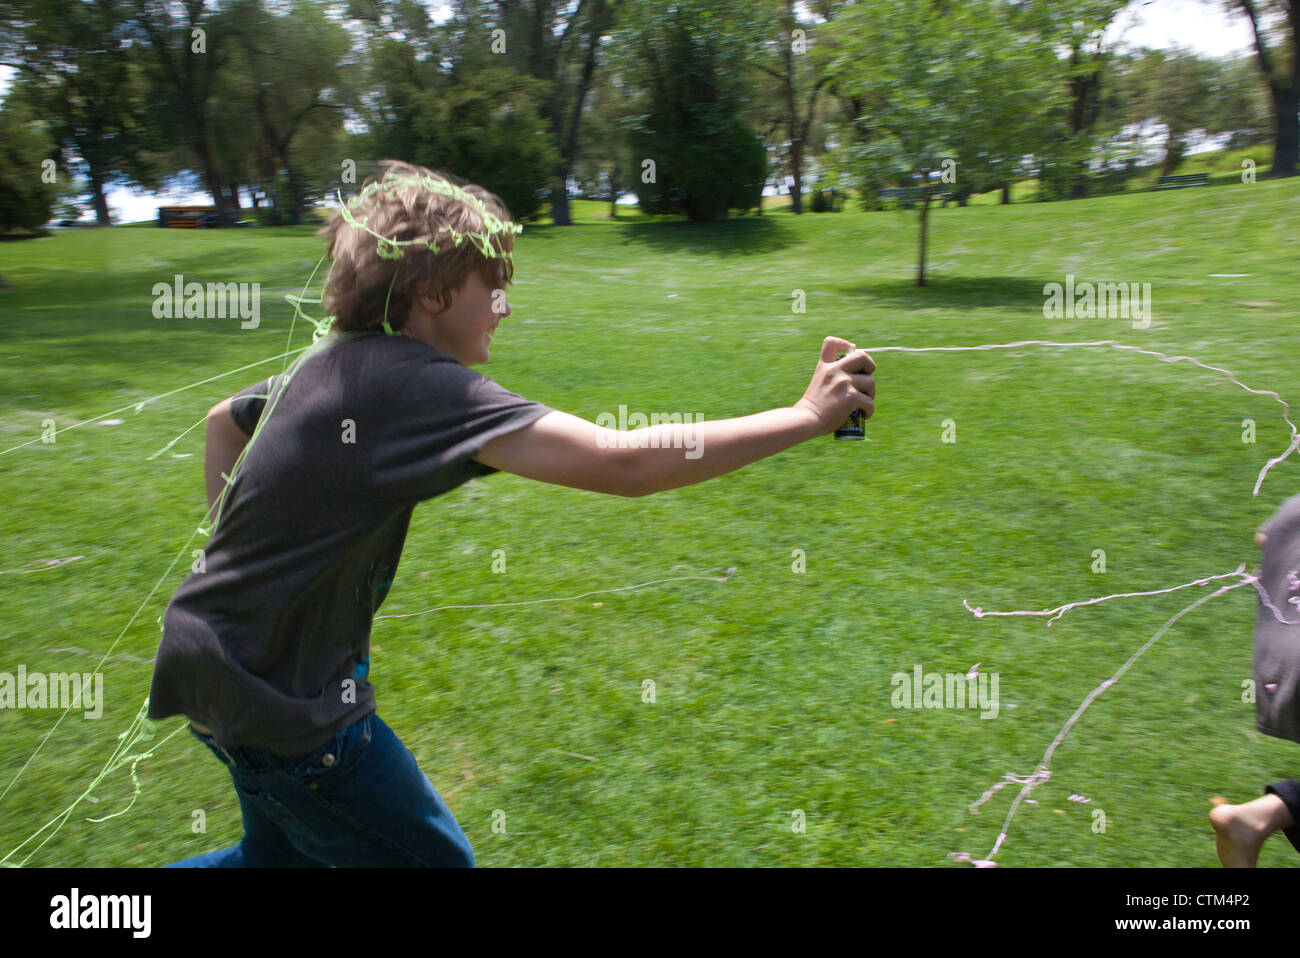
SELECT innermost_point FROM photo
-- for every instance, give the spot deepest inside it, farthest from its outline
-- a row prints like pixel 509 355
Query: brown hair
pixel 364 281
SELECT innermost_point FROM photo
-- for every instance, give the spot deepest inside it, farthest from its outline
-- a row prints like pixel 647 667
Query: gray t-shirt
pixel 263 645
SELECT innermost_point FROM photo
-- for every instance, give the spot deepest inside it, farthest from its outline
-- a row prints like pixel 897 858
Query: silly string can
pixel 855 428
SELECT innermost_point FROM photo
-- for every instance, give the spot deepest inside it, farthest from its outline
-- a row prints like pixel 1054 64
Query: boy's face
pixel 465 327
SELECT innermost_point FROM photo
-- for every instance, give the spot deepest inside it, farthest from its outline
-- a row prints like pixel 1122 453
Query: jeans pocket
pixel 340 753
pixel 213 747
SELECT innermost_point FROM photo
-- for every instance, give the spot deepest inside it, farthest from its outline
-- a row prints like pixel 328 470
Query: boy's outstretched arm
pixel 224 442
pixel 569 451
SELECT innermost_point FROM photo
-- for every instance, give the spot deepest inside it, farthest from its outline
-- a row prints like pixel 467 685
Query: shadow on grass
pixel 950 292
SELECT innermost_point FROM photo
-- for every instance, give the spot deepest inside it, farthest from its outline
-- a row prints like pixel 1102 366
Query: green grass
pixel 773 689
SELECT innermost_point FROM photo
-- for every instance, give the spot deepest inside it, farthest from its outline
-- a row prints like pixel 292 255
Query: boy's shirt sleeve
pixel 439 419
pixel 246 405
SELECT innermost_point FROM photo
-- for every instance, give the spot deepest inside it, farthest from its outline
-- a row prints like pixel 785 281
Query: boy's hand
pixel 839 386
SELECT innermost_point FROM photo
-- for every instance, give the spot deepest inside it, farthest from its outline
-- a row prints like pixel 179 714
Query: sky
pixel 1200 25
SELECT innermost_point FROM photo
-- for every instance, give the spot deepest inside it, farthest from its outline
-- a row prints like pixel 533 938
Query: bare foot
pixel 1240 830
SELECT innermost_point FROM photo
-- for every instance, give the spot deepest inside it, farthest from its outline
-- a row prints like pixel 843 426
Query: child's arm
pixel 225 441
pixel 569 451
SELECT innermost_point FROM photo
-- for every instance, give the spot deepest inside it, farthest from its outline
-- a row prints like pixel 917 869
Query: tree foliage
pixel 26 199
pixel 952 95
pixel 686 61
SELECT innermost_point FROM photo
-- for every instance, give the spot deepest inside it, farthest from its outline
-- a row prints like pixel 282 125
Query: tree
pixel 26 196
pixel 1248 101
pixel 1078 28
pixel 561 52
pixel 287 67
pixel 81 72
pixel 603 161
pixel 1279 61
pixel 951 94
pixel 189 46
pixel 696 154
pixel 798 89
pixel 440 98
pixel 1182 92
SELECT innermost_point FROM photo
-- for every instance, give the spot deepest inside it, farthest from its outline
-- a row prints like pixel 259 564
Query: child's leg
pixel 1240 830
pixel 1289 792
pixel 264 845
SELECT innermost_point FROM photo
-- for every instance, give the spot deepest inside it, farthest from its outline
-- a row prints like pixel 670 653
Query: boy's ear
pixel 429 302
pixel 423 298
pixel 1260 538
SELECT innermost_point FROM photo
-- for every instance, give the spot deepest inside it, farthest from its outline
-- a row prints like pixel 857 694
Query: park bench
pixel 1181 180
pixel 908 195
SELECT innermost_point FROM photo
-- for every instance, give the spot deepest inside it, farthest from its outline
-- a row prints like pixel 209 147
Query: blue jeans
pixel 358 800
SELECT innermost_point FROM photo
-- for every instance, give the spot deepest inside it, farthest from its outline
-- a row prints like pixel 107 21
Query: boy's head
pixel 443 231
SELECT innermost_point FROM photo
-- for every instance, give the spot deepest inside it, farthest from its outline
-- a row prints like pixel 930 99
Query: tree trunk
pixel 296 191
pixel 208 163
pixel 1286 101
pixel 560 201
pixel 1173 155
pixel 1006 194
pixel 925 217
pixel 213 178
pixel 102 217
pixel 796 165
pixel 1085 104
pixel 599 22
pixel 1286 94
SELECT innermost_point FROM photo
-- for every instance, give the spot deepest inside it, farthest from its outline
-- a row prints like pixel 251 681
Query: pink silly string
pixel 1295 433
pixel 1264 598
pixel 1043 771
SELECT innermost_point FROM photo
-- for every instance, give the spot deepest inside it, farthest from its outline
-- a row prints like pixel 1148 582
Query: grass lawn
pixel 773 689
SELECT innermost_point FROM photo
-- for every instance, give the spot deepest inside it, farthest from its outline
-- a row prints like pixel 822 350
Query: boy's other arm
pixel 569 451
pixel 225 441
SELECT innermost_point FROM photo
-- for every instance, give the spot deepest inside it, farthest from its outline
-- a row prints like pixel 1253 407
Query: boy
pixel 266 650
